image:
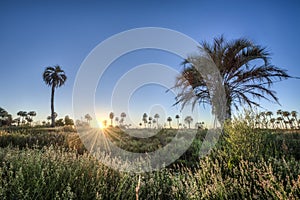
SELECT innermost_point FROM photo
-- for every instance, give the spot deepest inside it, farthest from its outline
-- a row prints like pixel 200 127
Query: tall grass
pixel 247 163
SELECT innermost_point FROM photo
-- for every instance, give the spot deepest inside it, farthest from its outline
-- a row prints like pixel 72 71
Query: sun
pixel 101 126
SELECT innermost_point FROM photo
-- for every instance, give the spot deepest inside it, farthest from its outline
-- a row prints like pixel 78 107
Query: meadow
pixel 247 163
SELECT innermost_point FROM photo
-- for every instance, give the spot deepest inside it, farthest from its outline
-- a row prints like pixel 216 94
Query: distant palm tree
pixel 156 116
pixel 111 117
pixel 116 120
pixel 88 118
pixel 150 121
pixel 242 78
pixel 280 120
pixel 54 77
pixel 104 123
pixel 123 115
pixel 31 114
pixel 286 114
pixel 177 117
pixel 23 115
pixel 294 115
pixel 270 114
pixel 144 119
pixel 188 120
pixel 272 121
pixel 169 119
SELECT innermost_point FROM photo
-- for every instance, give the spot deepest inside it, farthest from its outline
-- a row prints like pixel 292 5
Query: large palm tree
pixel 54 77
pixel 245 70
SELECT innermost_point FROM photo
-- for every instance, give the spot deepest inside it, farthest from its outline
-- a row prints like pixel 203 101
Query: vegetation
pixel 243 66
pixel 246 163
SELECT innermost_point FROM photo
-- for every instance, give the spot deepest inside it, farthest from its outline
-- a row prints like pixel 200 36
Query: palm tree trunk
pixel 52 107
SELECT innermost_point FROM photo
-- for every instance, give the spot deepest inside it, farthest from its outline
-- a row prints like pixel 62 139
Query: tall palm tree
pixel 150 121
pixel 144 119
pixel 177 117
pixel 286 114
pixel 23 115
pixel 188 120
pixel 169 119
pixel 123 115
pixel 88 118
pixel 117 120
pixel 54 77
pixel 245 70
pixel 294 115
pixel 156 116
pixel 111 117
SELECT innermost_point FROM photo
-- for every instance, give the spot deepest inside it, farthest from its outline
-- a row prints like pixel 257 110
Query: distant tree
pixel 123 115
pixel 140 124
pixel 150 121
pixel 156 116
pixel 60 122
pixel 111 117
pixel 68 121
pixel 54 77
pixel 154 122
pixel 169 119
pixel 294 115
pixel 145 116
pixel 117 120
pixel 30 116
pixel 104 123
pixel 177 117
pixel 22 115
pixel 5 118
pixel 286 114
pixel 88 118
pixel 188 120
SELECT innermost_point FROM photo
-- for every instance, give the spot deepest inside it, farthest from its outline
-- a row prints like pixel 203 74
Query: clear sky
pixel 36 34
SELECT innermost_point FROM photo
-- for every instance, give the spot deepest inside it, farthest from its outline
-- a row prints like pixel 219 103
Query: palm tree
pixel 294 115
pixel 241 79
pixel 280 120
pixel 88 118
pixel 188 120
pixel 116 120
pixel 270 114
pixel 104 123
pixel 111 117
pixel 123 115
pixel 150 121
pixel 169 119
pixel 156 116
pixel 272 121
pixel 31 114
pixel 286 114
pixel 23 115
pixel 177 117
pixel 144 119
pixel 54 77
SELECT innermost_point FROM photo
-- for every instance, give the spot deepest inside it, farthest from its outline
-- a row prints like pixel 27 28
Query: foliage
pixel 241 67
pixel 247 163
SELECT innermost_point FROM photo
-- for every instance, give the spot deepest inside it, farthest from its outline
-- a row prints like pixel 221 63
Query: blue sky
pixel 36 34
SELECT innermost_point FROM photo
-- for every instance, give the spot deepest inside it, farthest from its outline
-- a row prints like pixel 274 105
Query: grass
pixel 247 163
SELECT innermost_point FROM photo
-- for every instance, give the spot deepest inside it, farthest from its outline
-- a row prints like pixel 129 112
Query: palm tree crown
pixel 244 68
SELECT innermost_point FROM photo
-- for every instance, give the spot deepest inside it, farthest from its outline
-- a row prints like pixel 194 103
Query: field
pixel 247 163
